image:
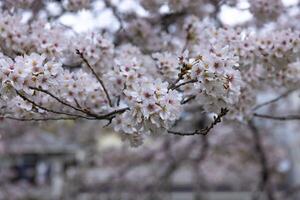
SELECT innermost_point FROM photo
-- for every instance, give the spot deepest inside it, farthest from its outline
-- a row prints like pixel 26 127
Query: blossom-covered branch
pixel 173 60
pixel 96 75
pixel 205 131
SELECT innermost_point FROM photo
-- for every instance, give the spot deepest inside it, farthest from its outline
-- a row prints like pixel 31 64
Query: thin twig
pixel 273 100
pixel 188 99
pixel 174 87
pixel 107 116
pixel 47 109
pixel 96 75
pixel 40 119
pixel 279 118
pixel 205 131
pixel 111 114
pixel 65 103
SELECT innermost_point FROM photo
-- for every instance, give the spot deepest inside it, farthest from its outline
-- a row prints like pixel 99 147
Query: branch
pixel 47 109
pixel 188 99
pixel 107 116
pixel 111 114
pixel 39 119
pixel 185 68
pixel 174 87
pixel 205 131
pixel 96 75
pixel 265 175
pixel 279 118
pixel 273 100
pixel 65 103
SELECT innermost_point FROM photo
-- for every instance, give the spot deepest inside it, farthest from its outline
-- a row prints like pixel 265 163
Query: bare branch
pixel 188 99
pixel 47 109
pixel 174 87
pixel 279 118
pixel 205 131
pixel 173 84
pixel 107 116
pixel 96 75
pixel 111 114
pixel 65 103
pixel 40 119
pixel 273 100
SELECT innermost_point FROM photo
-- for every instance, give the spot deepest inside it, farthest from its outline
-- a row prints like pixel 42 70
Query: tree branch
pixel 265 174
pixel 205 131
pixel 40 119
pixel 65 103
pixel 111 114
pixel 47 109
pixel 279 118
pixel 188 99
pixel 96 75
pixel 273 100
pixel 174 87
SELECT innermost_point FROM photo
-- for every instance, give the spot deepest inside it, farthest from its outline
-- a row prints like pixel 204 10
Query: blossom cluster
pixel 18 37
pixel 142 77
pixel 152 108
pixel 34 84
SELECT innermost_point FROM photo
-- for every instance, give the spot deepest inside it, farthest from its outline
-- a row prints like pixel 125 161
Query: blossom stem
pixel 182 84
pixel 65 103
pixel 96 75
pixel 47 109
pixel 188 99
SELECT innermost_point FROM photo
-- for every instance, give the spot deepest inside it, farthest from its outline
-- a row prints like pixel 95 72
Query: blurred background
pixel 68 160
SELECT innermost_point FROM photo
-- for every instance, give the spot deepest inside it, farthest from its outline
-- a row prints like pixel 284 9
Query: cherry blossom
pixel 146 76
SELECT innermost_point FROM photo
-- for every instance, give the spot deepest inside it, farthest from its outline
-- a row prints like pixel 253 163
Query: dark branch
pixel 279 118
pixel 40 119
pixel 47 109
pixel 174 87
pixel 188 99
pixel 96 75
pixel 273 100
pixel 108 116
pixel 65 103
pixel 205 131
